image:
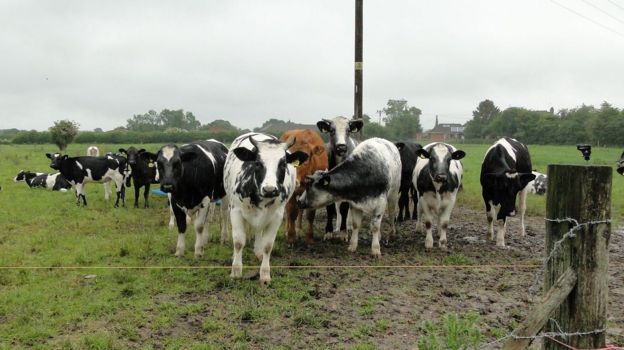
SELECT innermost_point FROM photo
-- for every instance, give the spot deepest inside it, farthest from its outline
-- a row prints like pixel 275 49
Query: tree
pixel 63 133
pixel 402 120
pixel 149 121
pixel 482 117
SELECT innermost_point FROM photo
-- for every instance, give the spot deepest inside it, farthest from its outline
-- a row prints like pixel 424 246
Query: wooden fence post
pixel 582 193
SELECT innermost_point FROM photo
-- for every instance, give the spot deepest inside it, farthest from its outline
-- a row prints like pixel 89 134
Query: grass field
pixel 57 308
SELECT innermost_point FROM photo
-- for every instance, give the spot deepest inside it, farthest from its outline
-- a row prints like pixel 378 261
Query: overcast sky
pixel 100 62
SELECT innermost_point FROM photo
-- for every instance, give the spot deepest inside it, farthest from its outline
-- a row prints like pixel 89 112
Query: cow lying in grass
pixel 55 182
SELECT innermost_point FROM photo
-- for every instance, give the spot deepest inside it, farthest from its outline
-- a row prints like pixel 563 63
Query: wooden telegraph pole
pixel 357 104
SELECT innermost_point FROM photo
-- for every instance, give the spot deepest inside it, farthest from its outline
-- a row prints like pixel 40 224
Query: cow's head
pixel 265 165
pixel 440 156
pixel 620 165
pixel 540 183
pixel 312 144
pixel 339 130
pixel 170 160
pixel 21 176
pixel 56 160
pixel 317 193
pixel 134 155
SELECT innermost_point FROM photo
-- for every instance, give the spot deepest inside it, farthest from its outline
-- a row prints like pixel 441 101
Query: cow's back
pixel 204 173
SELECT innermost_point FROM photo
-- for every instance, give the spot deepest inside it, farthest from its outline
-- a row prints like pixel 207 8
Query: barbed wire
pixel 570 234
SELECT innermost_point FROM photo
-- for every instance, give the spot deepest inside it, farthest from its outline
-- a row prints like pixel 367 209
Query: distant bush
pixel 129 137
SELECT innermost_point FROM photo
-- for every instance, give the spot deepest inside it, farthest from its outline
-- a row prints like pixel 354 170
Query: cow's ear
pixel 141 150
pixel 188 156
pixel 324 126
pixel 244 154
pixel 149 156
pixel 318 150
pixel 459 154
pixel 49 155
pixel 400 145
pixel 123 150
pixel 65 157
pixel 422 153
pixel 356 125
pixel 526 178
pixel 295 159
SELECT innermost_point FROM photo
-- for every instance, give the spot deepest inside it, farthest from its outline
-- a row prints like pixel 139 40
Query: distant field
pixel 159 308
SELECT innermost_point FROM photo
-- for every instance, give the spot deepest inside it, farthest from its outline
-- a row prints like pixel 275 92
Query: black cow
pixel 341 144
pixel 143 171
pixel 620 165
pixel 506 170
pixel 55 182
pixel 408 163
pixel 193 175
pixel 80 170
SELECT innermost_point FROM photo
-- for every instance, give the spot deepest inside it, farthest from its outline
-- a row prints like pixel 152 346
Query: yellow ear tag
pixel 295 163
pixel 150 164
pixel 422 157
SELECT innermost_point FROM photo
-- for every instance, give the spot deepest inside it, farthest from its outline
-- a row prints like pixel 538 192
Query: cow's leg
pixel 392 206
pixel 309 238
pixel 299 218
pixel 146 195
pixel 500 234
pixel 201 227
pixel 180 217
pixel 522 199
pixel 120 191
pixel 238 239
pixel 444 219
pixel 356 217
pixel 490 211
pixel 403 205
pixel 415 200
pixel 376 229
pixel 107 190
pixel 292 212
pixel 268 239
pixel 171 214
pixel 223 222
pixel 329 227
pixel 80 194
pixel 427 218
pixel 344 213
pixel 137 191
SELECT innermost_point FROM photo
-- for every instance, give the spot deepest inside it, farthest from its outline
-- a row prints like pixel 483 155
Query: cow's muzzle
pixel 341 150
pixel 440 178
pixel 269 192
pixel 167 188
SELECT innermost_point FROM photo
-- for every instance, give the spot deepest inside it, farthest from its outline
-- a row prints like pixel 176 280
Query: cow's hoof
pixel 328 236
pixel 265 281
pixel 442 245
pixel 500 244
pixel 343 236
pixel 237 272
pixel 376 254
pixel 179 254
pixel 429 244
pixel 352 248
pixel 199 254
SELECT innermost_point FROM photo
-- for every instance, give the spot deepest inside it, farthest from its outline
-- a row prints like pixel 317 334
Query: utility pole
pixel 358 61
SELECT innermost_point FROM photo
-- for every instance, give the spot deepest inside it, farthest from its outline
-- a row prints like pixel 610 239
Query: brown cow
pixel 310 142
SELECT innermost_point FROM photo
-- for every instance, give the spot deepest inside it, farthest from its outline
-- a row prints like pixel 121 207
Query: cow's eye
pixel 258 164
pixel 332 131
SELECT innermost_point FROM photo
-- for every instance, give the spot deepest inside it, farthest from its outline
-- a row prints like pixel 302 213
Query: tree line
pixel 601 126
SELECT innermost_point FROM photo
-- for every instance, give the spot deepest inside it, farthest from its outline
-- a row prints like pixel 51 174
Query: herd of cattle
pixel 260 177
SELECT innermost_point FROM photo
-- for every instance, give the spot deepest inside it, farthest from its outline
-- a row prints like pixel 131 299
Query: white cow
pixel 259 178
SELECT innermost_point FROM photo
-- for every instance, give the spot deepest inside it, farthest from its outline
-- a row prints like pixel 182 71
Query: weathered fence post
pixel 581 193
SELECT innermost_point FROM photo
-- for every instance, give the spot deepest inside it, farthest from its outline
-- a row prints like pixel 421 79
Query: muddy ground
pixel 402 298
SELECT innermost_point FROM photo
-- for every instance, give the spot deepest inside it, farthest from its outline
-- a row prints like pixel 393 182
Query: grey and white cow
pixel 368 179
pixel 437 178
pixel 259 179
pixel 340 145
pixel 539 185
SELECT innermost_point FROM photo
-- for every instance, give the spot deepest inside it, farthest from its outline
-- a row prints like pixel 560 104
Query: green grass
pixel 155 308
pixel 452 332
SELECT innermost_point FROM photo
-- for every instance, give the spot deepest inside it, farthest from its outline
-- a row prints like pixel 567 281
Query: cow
pixel 341 144
pixel 93 151
pixel 260 178
pixel 408 162
pixel 437 177
pixel 143 171
pixel 193 176
pixel 539 185
pixel 311 143
pixel 505 172
pixel 55 182
pixel 620 165
pixel 368 179
pixel 80 170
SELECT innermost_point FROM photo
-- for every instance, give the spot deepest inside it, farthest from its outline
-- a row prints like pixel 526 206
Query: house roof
pixel 445 127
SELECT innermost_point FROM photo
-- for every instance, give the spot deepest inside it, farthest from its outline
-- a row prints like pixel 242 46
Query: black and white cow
pixel 368 179
pixel 437 178
pixel 193 175
pixel 408 162
pixel 143 171
pixel 80 170
pixel 539 185
pixel 620 165
pixel 505 172
pixel 341 144
pixel 55 182
pixel 260 178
